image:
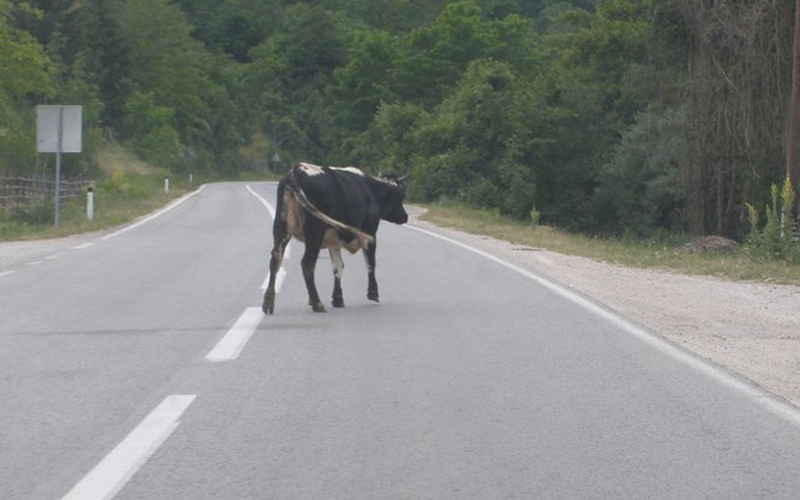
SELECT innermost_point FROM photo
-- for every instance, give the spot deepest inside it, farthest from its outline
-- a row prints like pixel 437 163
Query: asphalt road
pixel 137 367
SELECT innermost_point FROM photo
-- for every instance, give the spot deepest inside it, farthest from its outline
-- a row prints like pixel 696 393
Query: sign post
pixel 59 130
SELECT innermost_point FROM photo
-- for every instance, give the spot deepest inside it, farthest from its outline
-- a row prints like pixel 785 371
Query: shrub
pixel 778 239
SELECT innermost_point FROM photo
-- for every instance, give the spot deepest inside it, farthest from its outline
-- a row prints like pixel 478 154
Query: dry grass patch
pixel 656 253
pixel 113 157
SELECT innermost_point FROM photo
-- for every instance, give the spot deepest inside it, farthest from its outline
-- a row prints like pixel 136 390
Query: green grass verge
pixel 117 200
pixel 129 188
pixel 656 253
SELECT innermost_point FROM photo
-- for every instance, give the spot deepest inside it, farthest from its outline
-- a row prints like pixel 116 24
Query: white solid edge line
pixel 6 273
pixel 761 398
pixel 234 341
pixel 262 200
pixel 110 475
pixel 152 216
pixel 85 245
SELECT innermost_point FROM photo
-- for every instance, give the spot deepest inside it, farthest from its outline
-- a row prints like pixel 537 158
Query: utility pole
pixel 791 135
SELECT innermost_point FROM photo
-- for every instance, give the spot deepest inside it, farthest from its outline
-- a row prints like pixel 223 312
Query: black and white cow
pixel 333 208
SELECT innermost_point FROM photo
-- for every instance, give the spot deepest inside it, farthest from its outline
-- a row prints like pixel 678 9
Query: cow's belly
pixel 295 217
pixel 331 240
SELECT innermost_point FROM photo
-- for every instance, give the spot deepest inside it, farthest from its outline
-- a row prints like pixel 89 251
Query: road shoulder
pixel 752 329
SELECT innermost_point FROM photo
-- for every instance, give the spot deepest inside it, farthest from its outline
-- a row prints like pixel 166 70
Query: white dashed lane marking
pixel 110 475
pixel 234 341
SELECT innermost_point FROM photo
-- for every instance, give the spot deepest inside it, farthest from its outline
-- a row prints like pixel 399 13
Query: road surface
pixel 138 366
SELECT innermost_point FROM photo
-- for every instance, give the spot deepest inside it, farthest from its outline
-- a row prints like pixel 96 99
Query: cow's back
pixel 340 193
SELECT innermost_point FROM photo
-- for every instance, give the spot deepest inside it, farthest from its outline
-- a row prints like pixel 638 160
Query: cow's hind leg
pixel 274 266
pixel 280 238
pixel 308 264
pixel 372 286
pixel 338 268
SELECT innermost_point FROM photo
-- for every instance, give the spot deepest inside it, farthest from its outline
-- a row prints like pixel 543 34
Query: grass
pixel 655 254
pixel 129 188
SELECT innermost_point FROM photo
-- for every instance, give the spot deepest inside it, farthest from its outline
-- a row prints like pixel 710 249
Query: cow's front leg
pixel 308 264
pixel 372 286
pixel 338 268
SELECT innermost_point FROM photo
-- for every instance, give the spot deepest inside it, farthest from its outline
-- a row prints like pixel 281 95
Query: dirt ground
pixel 752 329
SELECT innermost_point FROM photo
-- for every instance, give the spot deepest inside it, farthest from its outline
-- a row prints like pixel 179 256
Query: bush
pixel 118 184
pixel 640 188
pixel 153 136
pixel 778 239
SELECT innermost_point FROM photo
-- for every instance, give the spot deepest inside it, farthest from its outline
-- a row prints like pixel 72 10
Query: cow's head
pixel 392 209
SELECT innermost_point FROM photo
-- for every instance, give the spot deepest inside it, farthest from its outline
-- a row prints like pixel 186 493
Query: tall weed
pixel 778 239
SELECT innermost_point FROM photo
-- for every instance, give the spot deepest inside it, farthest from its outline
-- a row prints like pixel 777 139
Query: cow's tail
pixel 363 238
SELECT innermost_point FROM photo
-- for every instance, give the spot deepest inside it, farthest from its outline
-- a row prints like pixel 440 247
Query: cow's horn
pixel 403 178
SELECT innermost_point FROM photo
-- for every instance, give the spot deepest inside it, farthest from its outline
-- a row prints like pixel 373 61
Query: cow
pixel 333 208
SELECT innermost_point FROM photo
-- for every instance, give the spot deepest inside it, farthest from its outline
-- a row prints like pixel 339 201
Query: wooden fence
pixel 19 192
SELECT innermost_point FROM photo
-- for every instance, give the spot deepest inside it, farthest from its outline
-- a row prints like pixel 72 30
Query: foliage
pixel 287 79
pixel 640 187
pixel 602 116
pixel 150 127
pixel 778 239
pixel 27 74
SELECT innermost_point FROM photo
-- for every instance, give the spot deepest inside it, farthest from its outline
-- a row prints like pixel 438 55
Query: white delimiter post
pixel 90 203
pixel 166 186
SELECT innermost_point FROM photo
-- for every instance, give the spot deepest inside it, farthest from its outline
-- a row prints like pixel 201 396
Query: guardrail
pixel 19 192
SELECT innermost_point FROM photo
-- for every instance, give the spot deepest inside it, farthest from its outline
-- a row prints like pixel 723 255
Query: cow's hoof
pixel 338 302
pixel 268 308
pixel 318 307
pixel 373 296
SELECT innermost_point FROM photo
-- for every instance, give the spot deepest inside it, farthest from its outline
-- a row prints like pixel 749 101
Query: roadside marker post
pixel 190 158
pixel 90 203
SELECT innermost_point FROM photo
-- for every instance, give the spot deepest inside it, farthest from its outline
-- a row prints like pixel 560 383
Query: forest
pixel 608 117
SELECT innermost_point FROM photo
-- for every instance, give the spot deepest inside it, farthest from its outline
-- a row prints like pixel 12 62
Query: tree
pixel 434 56
pixel 358 90
pixel 173 72
pixel 288 77
pixel 640 190
pixel 27 75
pixel 479 144
pixel 233 26
pixel 25 67
pixel 738 55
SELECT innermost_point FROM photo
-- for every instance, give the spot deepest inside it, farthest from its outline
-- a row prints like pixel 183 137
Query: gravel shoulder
pixel 752 329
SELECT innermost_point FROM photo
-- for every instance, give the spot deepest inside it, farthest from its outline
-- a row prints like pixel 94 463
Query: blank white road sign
pixel 47 118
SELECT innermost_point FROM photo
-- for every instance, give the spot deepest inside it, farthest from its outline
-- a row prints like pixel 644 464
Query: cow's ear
pixel 403 178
